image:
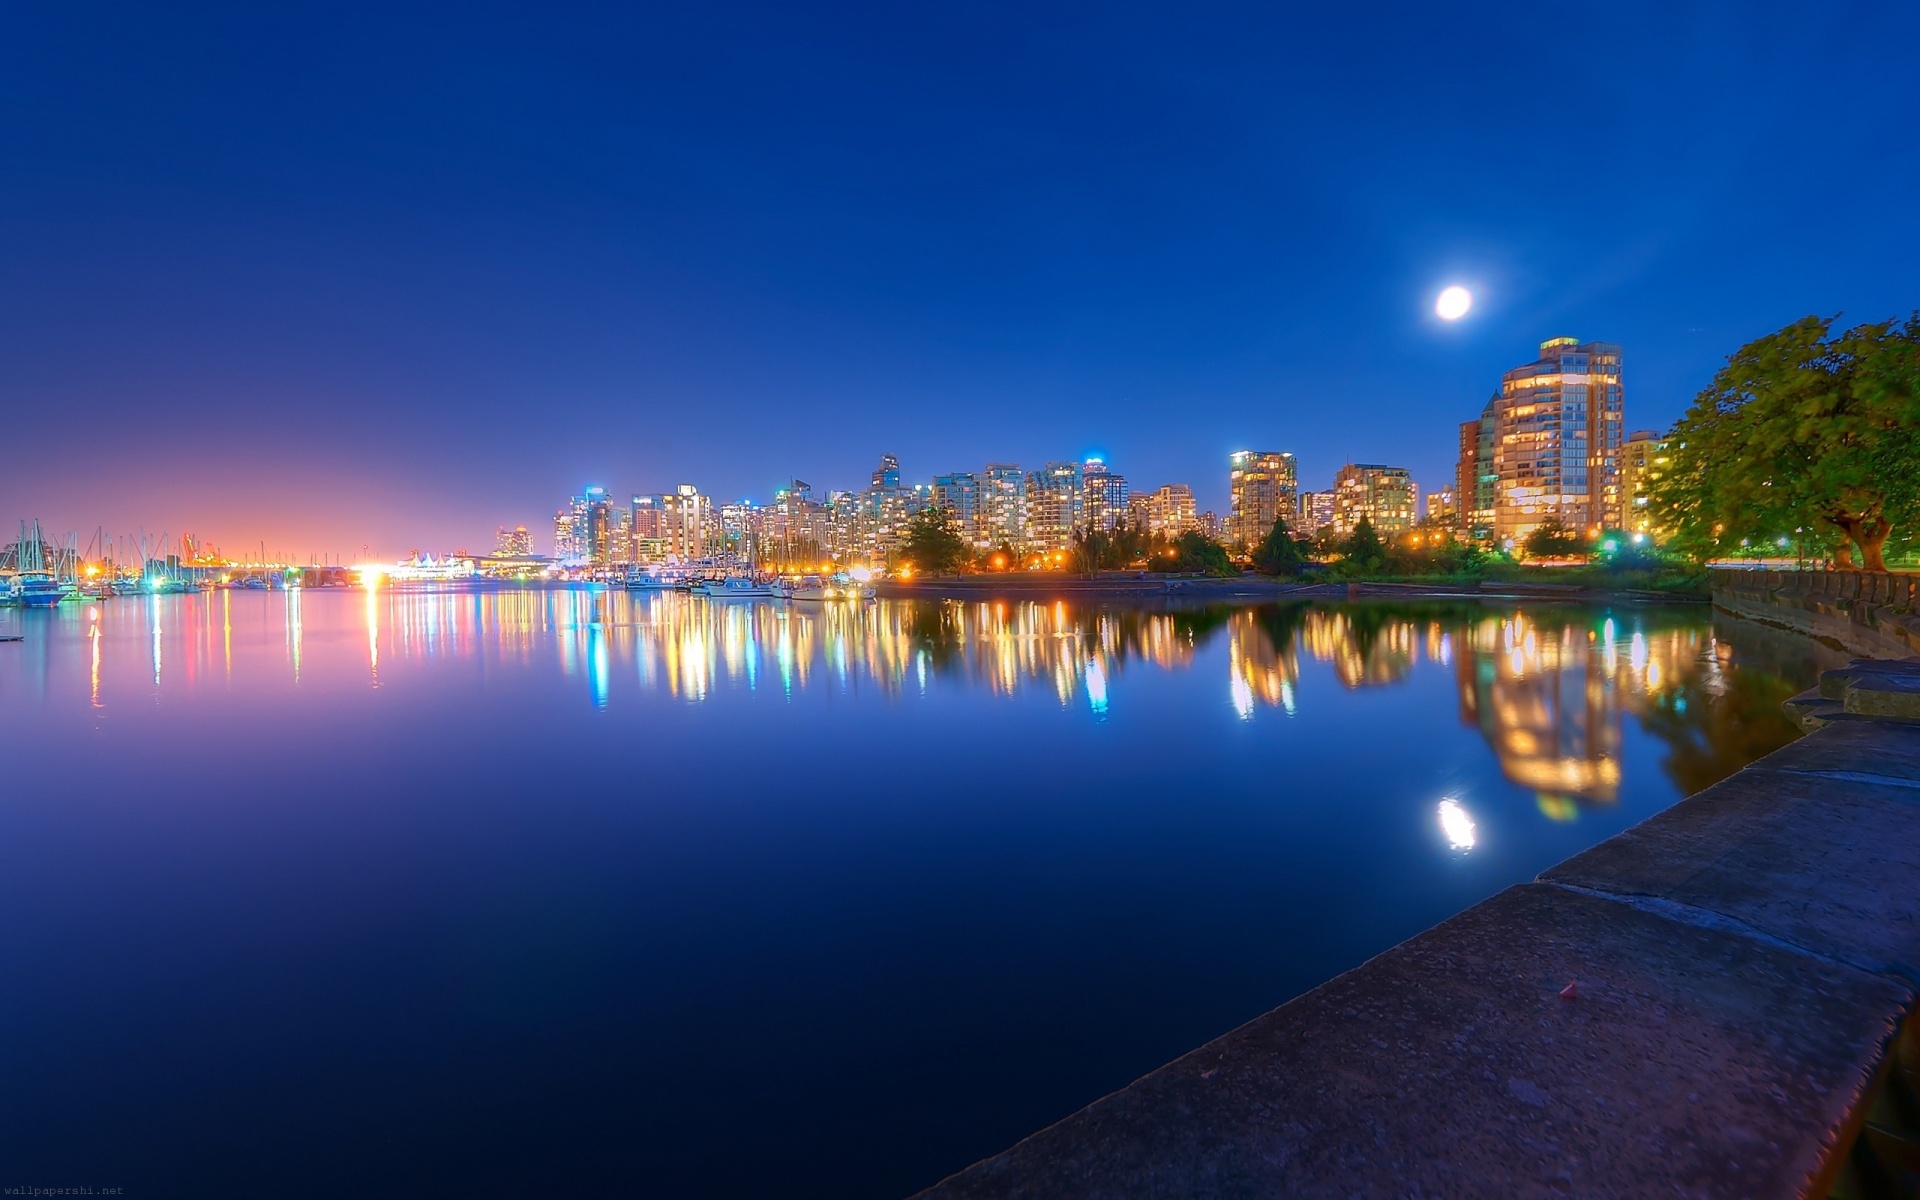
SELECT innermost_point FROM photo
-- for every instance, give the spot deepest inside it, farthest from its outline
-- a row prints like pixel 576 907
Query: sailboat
pixel 33 584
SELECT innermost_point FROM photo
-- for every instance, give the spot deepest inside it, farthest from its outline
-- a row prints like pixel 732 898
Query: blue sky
pixel 391 275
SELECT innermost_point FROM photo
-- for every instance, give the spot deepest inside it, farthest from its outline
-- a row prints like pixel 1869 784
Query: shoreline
pixel 1027 587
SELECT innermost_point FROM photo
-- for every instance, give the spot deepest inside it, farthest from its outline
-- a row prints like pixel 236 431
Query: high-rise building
pixel 959 492
pixel 1476 481
pixel 1385 496
pixel 1004 501
pixel 1643 461
pixel 566 543
pixel 1056 500
pixel 1316 512
pixel 597 527
pixel 887 474
pixel 1171 510
pixel 1442 506
pixel 1557 439
pixel 1265 486
pixel 512 543
pixel 1105 491
pixel 686 517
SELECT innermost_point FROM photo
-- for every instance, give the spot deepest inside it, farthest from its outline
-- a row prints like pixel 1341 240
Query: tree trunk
pixel 1843 554
pixel 1873 535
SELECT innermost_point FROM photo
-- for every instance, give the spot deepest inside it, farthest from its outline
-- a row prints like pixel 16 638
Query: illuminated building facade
pixel 686 518
pixel 1105 503
pixel 1264 486
pixel 959 492
pixel 1055 500
pixel 1643 460
pixel 1557 439
pixel 1003 503
pixel 515 542
pixel 1171 511
pixel 1476 482
pixel 1441 506
pixel 1384 496
pixel 1316 512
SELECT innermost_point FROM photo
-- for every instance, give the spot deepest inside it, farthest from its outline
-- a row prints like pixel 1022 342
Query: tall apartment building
pixel 1643 460
pixel 1003 500
pixel 1056 499
pixel 1442 505
pixel 1476 482
pixel 1385 496
pixel 1105 492
pixel 1557 427
pixel 512 543
pixel 1264 486
pixel 1316 512
pixel 961 494
pixel 1170 510
pixel 685 522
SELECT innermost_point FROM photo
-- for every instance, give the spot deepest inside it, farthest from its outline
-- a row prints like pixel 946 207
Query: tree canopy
pixel 1192 553
pixel 1552 539
pixel 1362 550
pixel 933 541
pixel 1803 432
pixel 1279 553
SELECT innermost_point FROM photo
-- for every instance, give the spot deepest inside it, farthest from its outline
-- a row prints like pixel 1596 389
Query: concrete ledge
pixel 1741 961
pixel 1861 612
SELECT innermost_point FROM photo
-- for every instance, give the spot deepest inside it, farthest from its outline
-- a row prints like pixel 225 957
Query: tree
pixel 1362 550
pixel 1802 431
pixel 1279 553
pixel 1552 539
pixel 1194 553
pixel 933 542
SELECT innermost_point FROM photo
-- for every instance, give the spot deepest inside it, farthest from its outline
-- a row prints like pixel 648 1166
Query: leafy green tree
pixel 1362 550
pixel 1803 431
pixel 933 542
pixel 1279 553
pixel 1552 539
pixel 1195 553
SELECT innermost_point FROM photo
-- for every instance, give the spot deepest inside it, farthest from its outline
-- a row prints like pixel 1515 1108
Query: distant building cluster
pixel 1001 506
pixel 1548 446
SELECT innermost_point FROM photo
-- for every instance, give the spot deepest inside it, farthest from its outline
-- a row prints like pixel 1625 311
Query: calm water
pixel 543 892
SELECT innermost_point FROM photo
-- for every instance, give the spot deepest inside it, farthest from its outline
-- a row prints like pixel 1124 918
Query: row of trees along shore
pixel 1807 439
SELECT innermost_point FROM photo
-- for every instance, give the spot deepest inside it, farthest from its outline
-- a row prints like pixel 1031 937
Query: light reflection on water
pixel 672 896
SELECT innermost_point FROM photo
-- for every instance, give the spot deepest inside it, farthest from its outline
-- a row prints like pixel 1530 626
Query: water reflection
pixel 1548 688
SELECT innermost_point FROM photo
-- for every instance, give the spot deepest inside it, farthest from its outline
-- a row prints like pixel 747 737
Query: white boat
pixel 814 588
pixel 643 579
pixel 36 589
pixel 734 587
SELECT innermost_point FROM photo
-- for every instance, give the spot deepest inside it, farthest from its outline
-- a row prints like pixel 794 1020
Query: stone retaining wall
pixel 1705 1005
pixel 1866 613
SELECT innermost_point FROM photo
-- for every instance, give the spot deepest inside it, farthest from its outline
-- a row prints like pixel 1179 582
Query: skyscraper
pixel 1475 478
pixel 1055 501
pixel 512 543
pixel 1557 439
pixel 1264 485
pixel 959 492
pixel 686 517
pixel 1105 492
pixel 1316 512
pixel 1171 510
pixel 1383 495
pixel 1004 497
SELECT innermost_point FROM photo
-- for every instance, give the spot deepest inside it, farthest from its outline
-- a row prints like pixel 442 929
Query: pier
pixel 1718 1002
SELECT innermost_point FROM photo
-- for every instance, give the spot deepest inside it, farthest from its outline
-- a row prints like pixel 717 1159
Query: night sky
pixel 390 277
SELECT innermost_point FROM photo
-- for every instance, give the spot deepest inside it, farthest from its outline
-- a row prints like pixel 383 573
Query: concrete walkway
pixel 1739 966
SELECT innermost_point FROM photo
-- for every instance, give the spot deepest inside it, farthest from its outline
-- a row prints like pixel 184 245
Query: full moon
pixel 1453 303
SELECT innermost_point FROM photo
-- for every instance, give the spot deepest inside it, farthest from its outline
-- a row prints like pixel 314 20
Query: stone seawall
pixel 1866 613
pixel 1715 1003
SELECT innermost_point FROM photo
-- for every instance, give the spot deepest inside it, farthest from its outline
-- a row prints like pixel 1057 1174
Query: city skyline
pixel 345 278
